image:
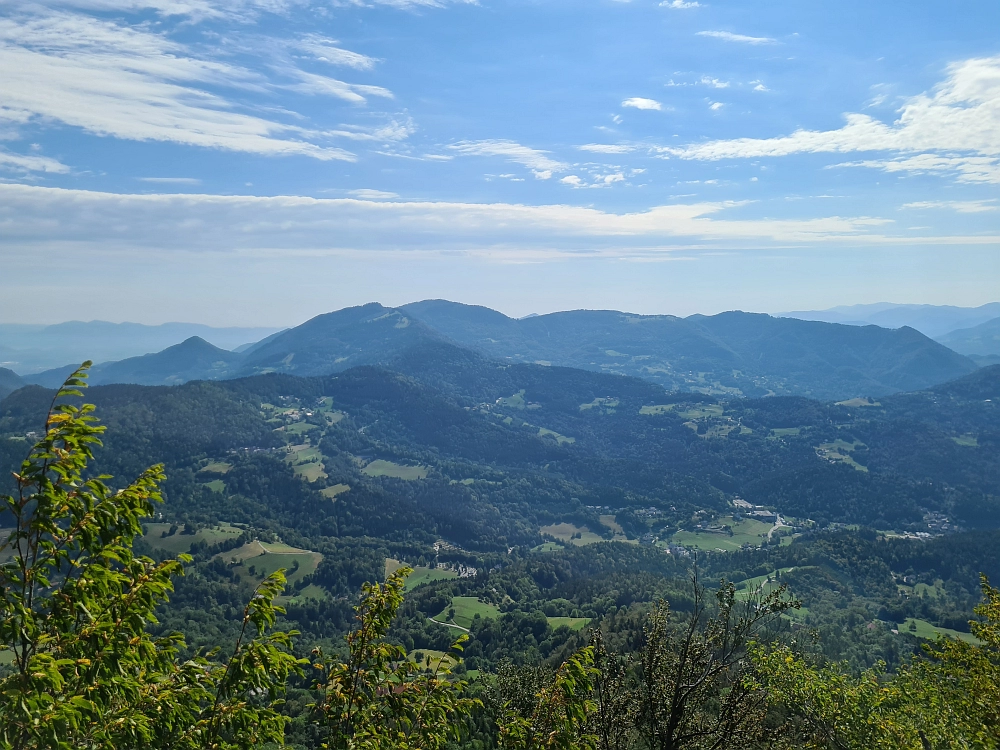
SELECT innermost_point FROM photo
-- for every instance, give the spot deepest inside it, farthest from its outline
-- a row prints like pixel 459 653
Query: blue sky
pixel 261 161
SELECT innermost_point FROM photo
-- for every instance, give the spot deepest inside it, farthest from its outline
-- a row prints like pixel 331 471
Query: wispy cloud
pixel 728 36
pixel 680 4
pixel 713 82
pixel 369 194
pixel 955 129
pixel 325 50
pixel 537 161
pixel 131 83
pixel 171 180
pixel 21 163
pixel 638 102
pixel 606 148
pixel 962 207
pixel 45 219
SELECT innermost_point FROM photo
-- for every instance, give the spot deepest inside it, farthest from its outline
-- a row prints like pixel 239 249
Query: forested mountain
pixel 537 500
pixel 193 359
pixel 935 321
pixel 730 354
pixel 735 353
pixel 9 382
pixel 983 339
pixel 34 348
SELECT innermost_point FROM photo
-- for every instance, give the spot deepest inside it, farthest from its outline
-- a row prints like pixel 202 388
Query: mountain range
pixel 732 354
pixel 935 321
pixel 34 348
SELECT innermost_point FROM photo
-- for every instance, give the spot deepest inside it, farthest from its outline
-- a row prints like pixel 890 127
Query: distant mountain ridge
pixel 934 321
pixel 738 353
pixel 730 354
pixel 34 348
pixel 10 381
pixel 983 339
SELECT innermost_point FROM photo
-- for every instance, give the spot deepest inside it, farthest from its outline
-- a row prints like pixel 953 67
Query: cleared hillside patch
pixel 381 468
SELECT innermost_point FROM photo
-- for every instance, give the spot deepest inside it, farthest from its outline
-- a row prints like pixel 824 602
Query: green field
pixel 923 629
pixel 840 452
pixel 856 402
pixel 514 402
pixel 700 412
pixel 747 531
pixel 605 403
pixel 573 623
pixel 658 409
pixel 431 659
pixel 565 532
pixel 548 547
pixel 561 439
pixel 300 428
pixel 333 491
pixel 969 441
pixel 265 558
pixel 466 608
pixel 216 485
pixel 178 542
pixel 785 431
pixel 216 467
pixel 380 468
pixel 306 461
pixel 421 574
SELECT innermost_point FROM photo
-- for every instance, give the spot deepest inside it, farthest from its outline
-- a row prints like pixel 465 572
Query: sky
pixel 258 162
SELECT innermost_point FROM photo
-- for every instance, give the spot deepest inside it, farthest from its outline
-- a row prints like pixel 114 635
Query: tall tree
pixel 76 602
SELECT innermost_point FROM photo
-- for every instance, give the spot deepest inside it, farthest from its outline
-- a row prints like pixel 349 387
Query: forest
pixel 556 519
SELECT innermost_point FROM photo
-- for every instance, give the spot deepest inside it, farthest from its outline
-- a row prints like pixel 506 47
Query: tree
pixel 379 699
pixel 948 698
pixel 75 604
pixel 539 710
pixel 691 683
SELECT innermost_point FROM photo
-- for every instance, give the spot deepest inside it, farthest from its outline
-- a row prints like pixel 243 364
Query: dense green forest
pixel 539 504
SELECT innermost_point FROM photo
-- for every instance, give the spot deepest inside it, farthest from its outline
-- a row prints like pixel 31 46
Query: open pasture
pixel 657 409
pixel 177 542
pixel 839 451
pixel 561 439
pixel 380 468
pixel 573 623
pixel 566 532
pixel 747 531
pixel 334 490
pixel 216 467
pixel 257 560
pixel 466 608
pixel 923 629
pixel 421 573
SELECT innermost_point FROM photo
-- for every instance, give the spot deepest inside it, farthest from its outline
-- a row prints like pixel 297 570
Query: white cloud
pixel 369 194
pixel 537 161
pixel 605 148
pixel 133 83
pixel 20 163
pixel 955 129
pixel 572 179
pixel 962 207
pixel 759 86
pixel 312 83
pixel 714 106
pixel 680 4
pixel 171 180
pixel 713 82
pixel 53 220
pixel 730 37
pixel 325 50
pixel 639 102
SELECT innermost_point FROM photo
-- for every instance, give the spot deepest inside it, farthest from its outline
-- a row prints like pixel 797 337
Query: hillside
pixel 336 341
pixel 935 321
pixel 732 354
pixel 983 339
pixel 735 353
pixel 34 348
pixel 9 382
